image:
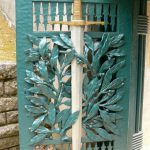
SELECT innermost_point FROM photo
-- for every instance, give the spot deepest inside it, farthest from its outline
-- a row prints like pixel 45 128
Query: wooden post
pixel 77 72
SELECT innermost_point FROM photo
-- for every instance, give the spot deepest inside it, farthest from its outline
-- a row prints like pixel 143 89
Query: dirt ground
pixel 7 41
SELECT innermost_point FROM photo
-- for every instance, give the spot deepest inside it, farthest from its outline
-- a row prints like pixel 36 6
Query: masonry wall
pixel 8 9
pixel 8 107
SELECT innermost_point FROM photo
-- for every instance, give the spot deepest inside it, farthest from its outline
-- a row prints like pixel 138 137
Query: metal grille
pixel 107 145
pixel 46 11
pixel 142 25
pixel 137 142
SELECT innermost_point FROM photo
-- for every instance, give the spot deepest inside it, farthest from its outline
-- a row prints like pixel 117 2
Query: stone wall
pixel 8 107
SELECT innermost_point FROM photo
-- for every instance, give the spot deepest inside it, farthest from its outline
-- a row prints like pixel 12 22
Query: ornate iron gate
pixel 108 69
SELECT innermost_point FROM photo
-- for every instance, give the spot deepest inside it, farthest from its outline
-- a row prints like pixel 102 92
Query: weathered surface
pixel 10 87
pixel 14 148
pixel 8 108
pixel 7 71
pixel 12 117
pixel 2 119
pixel 9 142
pixel 8 104
pixel 9 131
pixel 1 89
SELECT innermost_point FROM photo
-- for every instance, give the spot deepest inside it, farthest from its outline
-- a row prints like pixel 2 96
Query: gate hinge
pixel 142 25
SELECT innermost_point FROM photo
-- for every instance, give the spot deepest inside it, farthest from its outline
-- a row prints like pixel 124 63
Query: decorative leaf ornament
pixel 50 67
pixel 102 88
pixel 49 94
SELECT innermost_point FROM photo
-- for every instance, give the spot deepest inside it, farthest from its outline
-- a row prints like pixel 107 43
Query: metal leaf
pixel 58 41
pixel 71 120
pixel 42 68
pixel 37 139
pixel 35 110
pixel 116 53
pixel 103 133
pixel 69 57
pixel 62 115
pixel 116 39
pixel 33 77
pixel 104 46
pixel 112 127
pixel 44 90
pixel 38 100
pixel 93 111
pixel 66 39
pixel 93 86
pixel 34 39
pixel 54 56
pixel 92 135
pixel 67 103
pixel 105 116
pixel 52 114
pixel 117 97
pixel 114 117
pixel 32 58
pixel 89 41
pixel 42 130
pixel 115 84
pixel 117 67
pixel 106 65
pixel 114 107
pixel 43 47
pixel 37 122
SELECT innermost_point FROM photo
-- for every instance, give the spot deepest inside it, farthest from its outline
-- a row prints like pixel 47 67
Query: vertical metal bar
pixel 77 71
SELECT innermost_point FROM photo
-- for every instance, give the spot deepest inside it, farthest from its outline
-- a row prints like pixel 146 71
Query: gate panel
pixel 44 56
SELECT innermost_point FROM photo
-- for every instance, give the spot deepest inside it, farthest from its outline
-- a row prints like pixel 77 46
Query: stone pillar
pixel 9 139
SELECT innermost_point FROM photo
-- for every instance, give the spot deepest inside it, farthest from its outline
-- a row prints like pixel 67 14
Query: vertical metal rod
pixel 77 72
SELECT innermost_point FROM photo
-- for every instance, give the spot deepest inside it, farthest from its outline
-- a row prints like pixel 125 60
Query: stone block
pixel 8 104
pixel 1 89
pixel 2 119
pixel 9 131
pixel 9 142
pixel 7 70
pixel 12 117
pixel 10 87
pixel 14 148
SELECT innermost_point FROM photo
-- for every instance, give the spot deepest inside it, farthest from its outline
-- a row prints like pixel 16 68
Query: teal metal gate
pixel 113 63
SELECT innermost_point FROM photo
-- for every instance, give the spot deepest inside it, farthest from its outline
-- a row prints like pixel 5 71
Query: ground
pixel 7 41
